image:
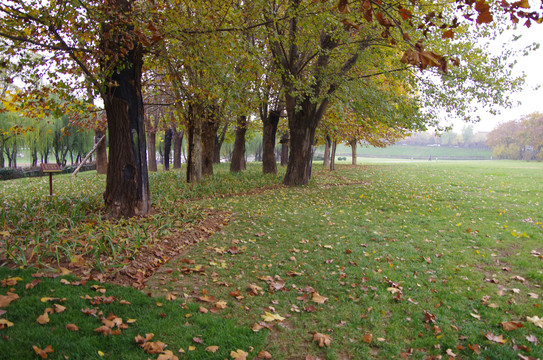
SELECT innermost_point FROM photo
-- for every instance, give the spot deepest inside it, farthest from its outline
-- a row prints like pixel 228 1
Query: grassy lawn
pixel 421 260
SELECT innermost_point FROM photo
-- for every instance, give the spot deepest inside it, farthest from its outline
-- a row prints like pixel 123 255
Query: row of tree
pixel 518 140
pixel 197 66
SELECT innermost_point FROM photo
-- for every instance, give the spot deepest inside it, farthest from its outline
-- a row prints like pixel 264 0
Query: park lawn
pixel 415 260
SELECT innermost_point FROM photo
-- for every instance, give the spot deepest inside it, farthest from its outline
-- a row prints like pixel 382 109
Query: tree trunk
pixel 284 149
pixel 167 148
pixel 302 137
pixel 127 185
pixel 101 152
pixel 14 154
pixel 327 143
pixel 194 126
pixel 238 156
pixel 2 163
pixel 269 165
pixel 177 145
pixel 333 157
pixel 151 151
pixel 353 150
pixel 219 140
pixel 210 126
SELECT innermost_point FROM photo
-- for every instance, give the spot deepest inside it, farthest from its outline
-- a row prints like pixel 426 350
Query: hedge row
pixel 10 173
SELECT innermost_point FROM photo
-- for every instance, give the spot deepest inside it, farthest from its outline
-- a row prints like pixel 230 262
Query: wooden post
pixel 88 156
pixel 50 168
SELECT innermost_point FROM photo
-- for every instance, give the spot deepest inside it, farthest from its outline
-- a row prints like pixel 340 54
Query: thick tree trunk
pixel 284 149
pixel 210 126
pixel 177 145
pixel 333 157
pixel 353 151
pixel 219 140
pixel 151 151
pixel 269 165
pixel 167 148
pixel 238 156
pixel 302 136
pixel 2 161
pixel 101 152
pixel 127 185
pixel 327 143
pixel 14 154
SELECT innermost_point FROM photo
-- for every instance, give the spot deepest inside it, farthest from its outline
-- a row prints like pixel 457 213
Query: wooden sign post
pixel 50 169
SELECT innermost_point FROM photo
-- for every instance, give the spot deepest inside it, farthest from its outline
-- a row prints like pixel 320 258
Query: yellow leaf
pixel 5 323
pixel 101 353
pixel 239 354
pixel 192 347
pixel 269 317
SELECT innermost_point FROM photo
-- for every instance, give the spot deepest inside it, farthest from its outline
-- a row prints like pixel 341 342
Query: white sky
pixel 531 100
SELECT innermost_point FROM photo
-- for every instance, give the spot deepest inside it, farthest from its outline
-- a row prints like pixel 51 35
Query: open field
pixel 415 260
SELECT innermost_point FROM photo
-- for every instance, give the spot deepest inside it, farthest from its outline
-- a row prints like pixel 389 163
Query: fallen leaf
pixel 212 348
pixel 72 327
pixel 478 317
pixel 533 295
pixel 43 353
pixel 10 281
pixel 532 338
pixel 254 289
pixel 59 308
pixel 476 348
pixel 43 319
pixel 5 323
pixel 170 297
pixel 536 321
pixel 221 304
pixel 239 354
pixel 450 353
pixel 322 339
pixel 197 340
pixel 316 298
pixel 154 347
pixel 269 317
pixel 264 355
pixel 496 338
pixel 367 337
pixel 167 355
pixel 511 325
pixel 5 300
pixel 203 310
pixel 32 284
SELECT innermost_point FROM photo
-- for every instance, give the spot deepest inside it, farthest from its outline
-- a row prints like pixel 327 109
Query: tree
pixel 103 41
pixel 318 45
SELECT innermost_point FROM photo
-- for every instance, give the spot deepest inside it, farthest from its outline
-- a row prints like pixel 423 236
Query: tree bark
pixel 219 140
pixel 333 157
pixel 167 148
pixel 269 165
pixel 238 156
pixel 101 152
pixel 327 143
pixel 210 125
pixel 177 145
pixel 151 151
pixel 194 126
pixel 284 149
pixel 127 185
pixel 353 144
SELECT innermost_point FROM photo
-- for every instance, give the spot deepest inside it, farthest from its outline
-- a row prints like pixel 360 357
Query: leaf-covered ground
pixel 418 261
pixel 428 260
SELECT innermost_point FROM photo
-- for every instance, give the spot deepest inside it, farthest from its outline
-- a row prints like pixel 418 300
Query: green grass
pixel 452 237
pixel 442 232
pixel 171 322
pixel 423 152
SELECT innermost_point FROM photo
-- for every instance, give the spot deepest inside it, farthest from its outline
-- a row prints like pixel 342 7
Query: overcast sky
pixel 532 65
